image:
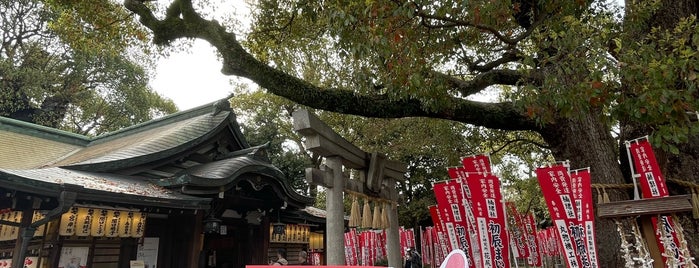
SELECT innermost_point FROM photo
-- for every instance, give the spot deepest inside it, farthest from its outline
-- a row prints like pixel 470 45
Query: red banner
pixel 449 202
pixel 366 248
pixel 460 174
pixel 426 245
pixel 477 164
pixel 490 220
pixel 440 236
pixel 645 165
pixel 517 233
pixel 383 241
pixel 351 248
pixel 409 238
pixel 404 240
pixel 653 186
pixel 582 195
pixel 556 187
pixel 532 241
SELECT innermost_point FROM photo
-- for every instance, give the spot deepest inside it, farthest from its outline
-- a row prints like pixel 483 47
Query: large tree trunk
pixel 587 142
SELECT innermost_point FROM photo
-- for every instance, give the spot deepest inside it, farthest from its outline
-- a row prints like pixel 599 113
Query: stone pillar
pixel 335 225
pixel 393 249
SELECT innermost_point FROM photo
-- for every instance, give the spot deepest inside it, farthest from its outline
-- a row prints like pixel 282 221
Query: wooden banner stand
pixel 378 177
pixel 646 209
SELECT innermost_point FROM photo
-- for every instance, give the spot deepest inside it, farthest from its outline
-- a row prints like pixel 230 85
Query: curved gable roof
pixel 201 150
pixel 132 149
pixel 218 176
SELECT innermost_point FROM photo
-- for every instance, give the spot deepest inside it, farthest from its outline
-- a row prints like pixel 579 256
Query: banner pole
pixel 636 195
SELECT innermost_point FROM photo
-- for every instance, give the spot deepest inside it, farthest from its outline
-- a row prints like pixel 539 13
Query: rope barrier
pixel 612 186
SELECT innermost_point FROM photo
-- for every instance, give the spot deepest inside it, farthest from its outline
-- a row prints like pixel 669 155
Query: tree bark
pixel 587 142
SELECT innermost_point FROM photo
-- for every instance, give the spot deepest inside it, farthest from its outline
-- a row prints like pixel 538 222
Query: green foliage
pixel 67 65
pixel 579 73
pixel 661 73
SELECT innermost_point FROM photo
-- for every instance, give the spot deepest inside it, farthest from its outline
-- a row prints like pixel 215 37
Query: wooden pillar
pixel 648 233
pixel 22 235
pixel 335 227
pixel 196 238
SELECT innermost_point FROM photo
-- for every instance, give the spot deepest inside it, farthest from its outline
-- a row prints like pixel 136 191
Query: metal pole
pixel 636 195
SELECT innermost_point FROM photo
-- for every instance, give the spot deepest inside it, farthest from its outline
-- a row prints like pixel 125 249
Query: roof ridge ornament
pixel 221 105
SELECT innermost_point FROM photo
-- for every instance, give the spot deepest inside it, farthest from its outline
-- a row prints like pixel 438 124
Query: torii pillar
pixel 379 181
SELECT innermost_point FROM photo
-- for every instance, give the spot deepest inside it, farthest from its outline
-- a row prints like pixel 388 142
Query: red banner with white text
pixel 477 163
pixel 450 205
pixel 490 220
pixel 556 187
pixel 517 230
pixel 532 241
pixel 581 183
pixel 653 185
pixel 440 236
pixel 351 247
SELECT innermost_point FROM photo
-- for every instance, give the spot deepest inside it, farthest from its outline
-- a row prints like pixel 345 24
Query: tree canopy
pixel 72 65
pixel 583 75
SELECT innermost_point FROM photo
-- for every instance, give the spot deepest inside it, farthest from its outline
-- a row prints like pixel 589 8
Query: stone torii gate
pixel 378 177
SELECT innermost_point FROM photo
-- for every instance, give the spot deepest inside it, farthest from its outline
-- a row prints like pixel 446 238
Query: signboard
pixel 137 264
pixel 73 257
pixel 148 252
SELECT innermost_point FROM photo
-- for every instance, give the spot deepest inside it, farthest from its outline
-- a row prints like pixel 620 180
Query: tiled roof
pixel 21 151
pixel 109 187
pixel 39 160
pixel 141 147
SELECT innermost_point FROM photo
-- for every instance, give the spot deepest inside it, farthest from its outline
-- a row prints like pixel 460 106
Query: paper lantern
pixel 84 221
pixel 68 222
pixel 126 224
pixel 98 227
pixel 139 224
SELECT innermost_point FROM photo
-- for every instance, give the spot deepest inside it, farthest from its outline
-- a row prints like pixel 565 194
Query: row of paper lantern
pixel 8 232
pixel 99 222
pixel 292 233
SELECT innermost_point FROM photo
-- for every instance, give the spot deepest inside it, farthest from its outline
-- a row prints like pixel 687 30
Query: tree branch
pixel 451 22
pixel 237 61
pixel 481 81
pixel 540 145
pixel 508 56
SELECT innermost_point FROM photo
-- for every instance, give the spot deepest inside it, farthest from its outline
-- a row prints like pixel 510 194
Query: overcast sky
pixel 194 78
